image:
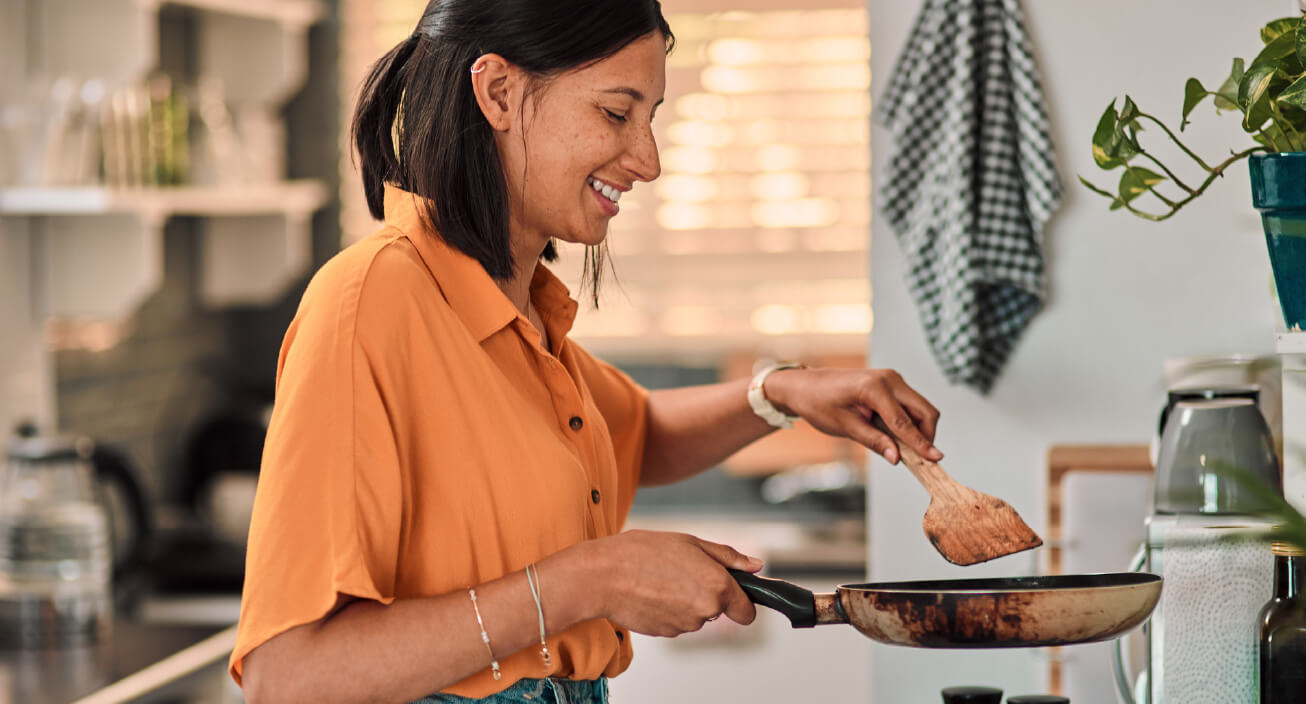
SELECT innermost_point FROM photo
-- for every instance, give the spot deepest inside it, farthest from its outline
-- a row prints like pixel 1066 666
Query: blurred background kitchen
pixel 172 172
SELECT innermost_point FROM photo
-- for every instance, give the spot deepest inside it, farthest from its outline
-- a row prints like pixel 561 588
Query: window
pixel 756 236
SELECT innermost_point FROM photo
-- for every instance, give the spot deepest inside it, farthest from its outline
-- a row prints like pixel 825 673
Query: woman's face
pixel 583 140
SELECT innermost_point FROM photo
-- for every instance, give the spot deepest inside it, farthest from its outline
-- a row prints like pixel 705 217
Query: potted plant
pixel 1270 95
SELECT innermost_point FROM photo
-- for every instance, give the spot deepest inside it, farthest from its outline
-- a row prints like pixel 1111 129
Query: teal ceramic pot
pixel 1279 192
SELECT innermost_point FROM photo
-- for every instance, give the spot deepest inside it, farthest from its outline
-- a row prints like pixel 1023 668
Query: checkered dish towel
pixel 972 181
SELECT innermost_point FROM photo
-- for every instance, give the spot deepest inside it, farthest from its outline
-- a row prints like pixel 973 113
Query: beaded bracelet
pixel 533 579
pixel 485 637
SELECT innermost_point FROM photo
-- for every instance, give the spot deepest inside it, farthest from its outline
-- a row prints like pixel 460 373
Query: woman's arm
pixel 694 428
pixel 649 582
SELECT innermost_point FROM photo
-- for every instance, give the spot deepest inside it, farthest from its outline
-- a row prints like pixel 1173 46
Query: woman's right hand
pixel 665 584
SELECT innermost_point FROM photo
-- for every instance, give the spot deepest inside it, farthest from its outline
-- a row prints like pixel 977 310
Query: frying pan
pixel 1019 612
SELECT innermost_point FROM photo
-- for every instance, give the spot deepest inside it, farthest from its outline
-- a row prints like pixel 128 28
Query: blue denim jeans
pixel 533 691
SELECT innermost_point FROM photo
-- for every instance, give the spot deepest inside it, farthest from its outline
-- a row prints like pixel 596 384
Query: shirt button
pixel 576 423
pixel 595 496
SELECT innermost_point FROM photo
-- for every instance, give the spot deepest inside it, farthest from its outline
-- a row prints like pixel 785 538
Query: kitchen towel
pixel 972 181
pixel 1215 585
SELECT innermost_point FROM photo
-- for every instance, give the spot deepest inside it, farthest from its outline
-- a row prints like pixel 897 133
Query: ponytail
pixel 374 123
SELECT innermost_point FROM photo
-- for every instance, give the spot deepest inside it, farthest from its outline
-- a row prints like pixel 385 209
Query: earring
pixel 478 69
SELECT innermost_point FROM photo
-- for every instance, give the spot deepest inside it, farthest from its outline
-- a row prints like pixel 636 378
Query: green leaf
pixel 1290 525
pixel 1254 95
pixel 1281 54
pixel 1226 97
pixel 1136 181
pixel 1194 93
pixel 1278 28
pixel 1273 137
pixel 1295 94
pixel 1112 145
pixel 1129 112
pixel 1116 203
pixel 1301 44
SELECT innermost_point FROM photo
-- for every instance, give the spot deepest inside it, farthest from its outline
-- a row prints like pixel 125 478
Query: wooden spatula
pixel 966 526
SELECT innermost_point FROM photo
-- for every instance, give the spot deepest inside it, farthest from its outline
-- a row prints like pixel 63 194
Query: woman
pixel 446 474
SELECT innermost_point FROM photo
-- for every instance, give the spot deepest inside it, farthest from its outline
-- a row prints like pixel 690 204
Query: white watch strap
pixel 764 408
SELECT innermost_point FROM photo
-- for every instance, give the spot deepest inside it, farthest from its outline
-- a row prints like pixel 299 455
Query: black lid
pixel 972 695
pixel 27 444
pixel 1037 699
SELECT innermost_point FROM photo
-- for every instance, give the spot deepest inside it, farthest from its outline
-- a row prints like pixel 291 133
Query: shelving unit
pixel 301 13
pixel 76 252
pixel 294 198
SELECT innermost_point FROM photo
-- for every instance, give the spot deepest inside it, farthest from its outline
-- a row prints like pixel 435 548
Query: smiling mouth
pixel 606 191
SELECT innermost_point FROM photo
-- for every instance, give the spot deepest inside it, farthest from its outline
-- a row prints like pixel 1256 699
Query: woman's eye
pixel 615 117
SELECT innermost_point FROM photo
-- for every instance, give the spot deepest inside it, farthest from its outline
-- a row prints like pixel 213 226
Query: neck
pixel 526 252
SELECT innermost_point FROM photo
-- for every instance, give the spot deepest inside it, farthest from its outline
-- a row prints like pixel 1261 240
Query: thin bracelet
pixel 535 592
pixel 485 637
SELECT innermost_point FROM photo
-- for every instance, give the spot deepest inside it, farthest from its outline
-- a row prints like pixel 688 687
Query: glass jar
pixel 1283 630
pixel 55 554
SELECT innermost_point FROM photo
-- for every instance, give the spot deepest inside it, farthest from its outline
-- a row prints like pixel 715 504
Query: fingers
pixel 730 557
pixel 739 608
pixel 736 604
pixel 901 408
pixel 873 435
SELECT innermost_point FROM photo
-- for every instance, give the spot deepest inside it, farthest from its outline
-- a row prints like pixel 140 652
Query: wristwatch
pixel 764 408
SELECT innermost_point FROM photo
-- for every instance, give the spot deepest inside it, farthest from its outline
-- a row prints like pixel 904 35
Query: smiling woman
pixel 446 474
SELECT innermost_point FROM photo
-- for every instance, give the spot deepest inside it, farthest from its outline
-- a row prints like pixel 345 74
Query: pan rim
pixel 1003 585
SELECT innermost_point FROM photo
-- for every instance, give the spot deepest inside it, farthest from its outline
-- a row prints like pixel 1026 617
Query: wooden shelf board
pixel 291 197
pixel 295 12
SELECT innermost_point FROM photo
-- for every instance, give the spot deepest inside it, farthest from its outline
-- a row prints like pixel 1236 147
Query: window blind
pixel 756 235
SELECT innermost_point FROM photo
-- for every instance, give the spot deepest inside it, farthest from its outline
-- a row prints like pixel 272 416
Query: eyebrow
pixel 637 95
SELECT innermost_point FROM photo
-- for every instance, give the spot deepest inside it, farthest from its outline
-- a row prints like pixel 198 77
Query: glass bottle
pixel 1283 630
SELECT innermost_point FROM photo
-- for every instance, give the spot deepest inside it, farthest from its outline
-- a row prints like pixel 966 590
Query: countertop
pixel 136 660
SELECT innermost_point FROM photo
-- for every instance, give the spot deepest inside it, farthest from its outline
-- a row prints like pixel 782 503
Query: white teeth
pixel 608 192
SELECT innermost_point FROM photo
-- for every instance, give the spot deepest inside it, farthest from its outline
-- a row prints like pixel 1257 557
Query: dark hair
pixel 446 149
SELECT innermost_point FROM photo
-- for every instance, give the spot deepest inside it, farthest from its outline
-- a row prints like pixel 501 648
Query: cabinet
pixel 1291 346
pixel 82 205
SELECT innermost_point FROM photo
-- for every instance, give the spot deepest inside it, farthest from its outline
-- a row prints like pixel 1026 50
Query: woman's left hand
pixel 842 402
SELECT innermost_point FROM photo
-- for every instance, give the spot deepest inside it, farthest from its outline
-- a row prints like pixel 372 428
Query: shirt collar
pixel 481 305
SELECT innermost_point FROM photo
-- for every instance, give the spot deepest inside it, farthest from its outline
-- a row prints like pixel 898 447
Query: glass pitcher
pixel 55 556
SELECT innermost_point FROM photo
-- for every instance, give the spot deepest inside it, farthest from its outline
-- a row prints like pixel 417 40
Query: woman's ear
pixel 494 81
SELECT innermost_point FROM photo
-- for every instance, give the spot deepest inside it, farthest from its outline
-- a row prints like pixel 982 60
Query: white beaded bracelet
pixel 533 579
pixel 485 637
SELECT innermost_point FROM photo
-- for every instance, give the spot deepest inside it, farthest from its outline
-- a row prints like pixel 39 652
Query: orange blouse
pixel 424 441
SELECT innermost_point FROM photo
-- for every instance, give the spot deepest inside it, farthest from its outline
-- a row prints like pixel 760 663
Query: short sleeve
pixel 329 505
pixel 623 403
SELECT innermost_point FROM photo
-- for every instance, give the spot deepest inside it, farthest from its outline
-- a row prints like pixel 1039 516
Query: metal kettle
pixel 56 539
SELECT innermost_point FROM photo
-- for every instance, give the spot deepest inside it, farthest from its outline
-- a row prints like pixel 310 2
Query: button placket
pixel 568 402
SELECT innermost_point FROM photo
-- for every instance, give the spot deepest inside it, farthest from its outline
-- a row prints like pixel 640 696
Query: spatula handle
pixel 929 474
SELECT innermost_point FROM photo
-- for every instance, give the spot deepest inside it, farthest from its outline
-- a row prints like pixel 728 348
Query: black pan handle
pixel 794 602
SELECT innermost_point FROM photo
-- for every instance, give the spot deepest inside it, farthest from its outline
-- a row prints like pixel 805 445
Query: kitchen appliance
pixel 1019 612
pixel 56 539
pixel 1200 437
pixel 1197 539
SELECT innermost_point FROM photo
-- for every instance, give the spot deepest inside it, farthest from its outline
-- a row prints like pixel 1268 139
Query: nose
pixel 641 157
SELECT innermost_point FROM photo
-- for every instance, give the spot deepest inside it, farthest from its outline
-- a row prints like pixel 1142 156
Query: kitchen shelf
pixel 293 198
pixel 1286 342
pixel 293 12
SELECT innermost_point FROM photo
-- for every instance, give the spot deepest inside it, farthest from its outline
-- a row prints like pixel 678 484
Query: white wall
pixel 1124 295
